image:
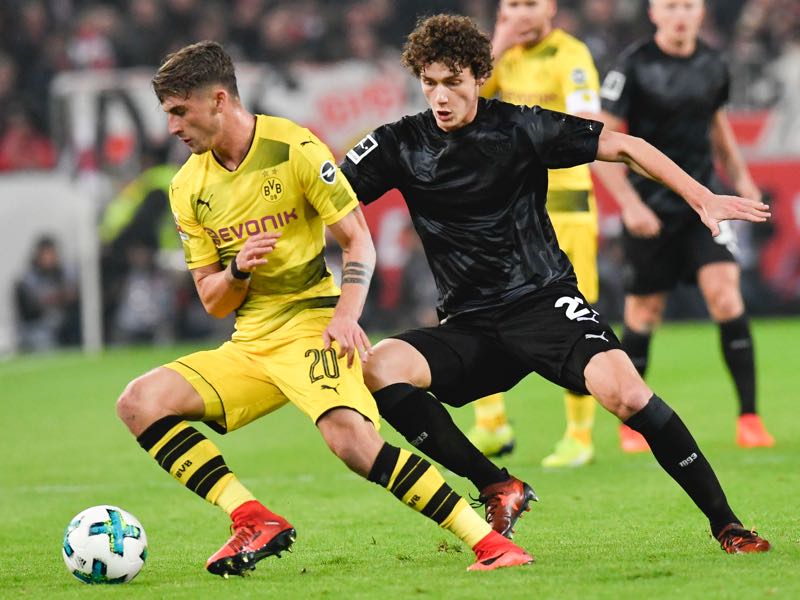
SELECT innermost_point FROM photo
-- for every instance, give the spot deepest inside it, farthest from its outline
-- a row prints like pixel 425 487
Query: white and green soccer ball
pixel 104 544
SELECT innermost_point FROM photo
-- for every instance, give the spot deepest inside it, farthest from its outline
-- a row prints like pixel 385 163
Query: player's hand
pixel 510 32
pixel 350 337
pixel 714 209
pixel 255 248
pixel 640 220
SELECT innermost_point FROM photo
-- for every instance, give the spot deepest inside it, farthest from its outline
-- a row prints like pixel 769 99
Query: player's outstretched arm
pixel 220 291
pixel 639 219
pixel 358 264
pixel 650 162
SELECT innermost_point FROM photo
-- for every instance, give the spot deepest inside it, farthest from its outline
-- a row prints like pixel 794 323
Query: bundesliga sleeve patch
pixel 327 172
pixel 613 85
pixel 579 76
pixel 361 149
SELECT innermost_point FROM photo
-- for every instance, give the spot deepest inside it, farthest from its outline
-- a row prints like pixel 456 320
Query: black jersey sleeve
pixel 369 165
pixel 725 88
pixel 561 140
pixel 616 91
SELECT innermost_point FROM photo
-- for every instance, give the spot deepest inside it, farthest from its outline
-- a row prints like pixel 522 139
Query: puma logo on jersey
pixel 206 203
pixel 325 386
pixel 602 336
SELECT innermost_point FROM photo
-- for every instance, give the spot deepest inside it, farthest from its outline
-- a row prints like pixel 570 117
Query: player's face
pixel 678 20
pixel 453 97
pixel 194 120
pixel 530 17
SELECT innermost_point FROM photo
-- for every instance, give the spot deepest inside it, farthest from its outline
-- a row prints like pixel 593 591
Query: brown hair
pixel 453 40
pixel 193 67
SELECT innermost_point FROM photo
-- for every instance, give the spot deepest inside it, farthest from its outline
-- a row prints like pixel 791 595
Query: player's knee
pixel 725 305
pixel 632 399
pixel 136 403
pixel 378 371
pixel 615 383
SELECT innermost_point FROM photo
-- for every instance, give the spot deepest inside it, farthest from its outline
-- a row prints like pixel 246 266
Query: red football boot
pixel 505 502
pixel 257 533
pixel 735 539
pixel 495 551
pixel 631 440
pixel 751 433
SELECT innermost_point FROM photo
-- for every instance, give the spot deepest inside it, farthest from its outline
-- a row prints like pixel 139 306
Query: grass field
pixel 616 529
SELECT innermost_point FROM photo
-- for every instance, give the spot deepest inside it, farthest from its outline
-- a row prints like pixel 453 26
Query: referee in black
pixel 474 175
pixel 671 90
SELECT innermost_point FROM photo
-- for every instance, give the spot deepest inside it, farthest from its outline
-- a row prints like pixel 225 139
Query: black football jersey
pixel 477 195
pixel 669 101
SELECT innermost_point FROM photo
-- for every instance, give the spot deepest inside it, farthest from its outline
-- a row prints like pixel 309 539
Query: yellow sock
pixel 418 484
pixel 580 416
pixel 194 460
pixel 232 494
pixel 490 412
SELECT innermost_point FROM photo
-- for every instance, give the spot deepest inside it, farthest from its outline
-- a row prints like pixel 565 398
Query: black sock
pixel 637 347
pixel 678 454
pixel 427 425
pixel 737 348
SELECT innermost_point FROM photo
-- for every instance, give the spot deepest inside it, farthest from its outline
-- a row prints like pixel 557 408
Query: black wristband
pixel 236 272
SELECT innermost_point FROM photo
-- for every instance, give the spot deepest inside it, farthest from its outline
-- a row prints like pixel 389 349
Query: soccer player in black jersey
pixel 671 89
pixel 474 175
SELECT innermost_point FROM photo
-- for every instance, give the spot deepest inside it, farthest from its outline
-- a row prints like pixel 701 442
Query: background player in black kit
pixel 474 175
pixel 671 90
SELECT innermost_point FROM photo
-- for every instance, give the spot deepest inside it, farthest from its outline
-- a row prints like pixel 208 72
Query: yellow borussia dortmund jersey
pixel 287 182
pixel 558 74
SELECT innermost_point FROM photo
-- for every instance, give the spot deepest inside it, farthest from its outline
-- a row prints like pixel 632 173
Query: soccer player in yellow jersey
pixel 537 64
pixel 251 204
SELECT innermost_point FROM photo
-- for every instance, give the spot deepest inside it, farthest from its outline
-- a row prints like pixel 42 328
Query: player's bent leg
pixel 719 283
pixel 154 407
pixel 398 375
pixel 612 379
pixel 492 434
pixel 415 482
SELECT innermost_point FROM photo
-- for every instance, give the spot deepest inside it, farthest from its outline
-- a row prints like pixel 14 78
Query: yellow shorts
pixel 577 236
pixel 240 382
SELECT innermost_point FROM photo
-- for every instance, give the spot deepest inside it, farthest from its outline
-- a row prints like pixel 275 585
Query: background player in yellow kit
pixel 257 187
pixel 537 64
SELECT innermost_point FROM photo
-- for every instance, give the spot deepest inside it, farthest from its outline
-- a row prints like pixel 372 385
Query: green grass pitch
pixel 619 528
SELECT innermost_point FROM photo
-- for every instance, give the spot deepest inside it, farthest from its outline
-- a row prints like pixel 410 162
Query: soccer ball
pixel 104 544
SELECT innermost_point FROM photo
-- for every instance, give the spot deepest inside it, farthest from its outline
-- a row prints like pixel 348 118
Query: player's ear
pixel 220 98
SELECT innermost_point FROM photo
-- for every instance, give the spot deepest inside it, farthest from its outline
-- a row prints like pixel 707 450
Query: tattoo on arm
pixel 356 272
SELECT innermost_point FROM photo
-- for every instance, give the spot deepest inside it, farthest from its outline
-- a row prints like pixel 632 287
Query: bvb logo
pixel 272 189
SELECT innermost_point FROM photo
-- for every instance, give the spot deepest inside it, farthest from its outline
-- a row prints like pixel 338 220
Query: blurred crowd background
pixel 146 298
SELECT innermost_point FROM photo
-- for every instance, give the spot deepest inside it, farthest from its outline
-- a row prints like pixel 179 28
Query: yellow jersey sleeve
pixel 580 84
pixel 198 248
pixel 324 185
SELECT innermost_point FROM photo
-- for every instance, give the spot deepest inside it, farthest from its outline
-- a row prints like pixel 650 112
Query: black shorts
pixel 684 245
pixel 553 332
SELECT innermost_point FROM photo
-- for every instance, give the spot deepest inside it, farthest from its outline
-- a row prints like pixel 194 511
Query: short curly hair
pixel 453 40
pixel 193 67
